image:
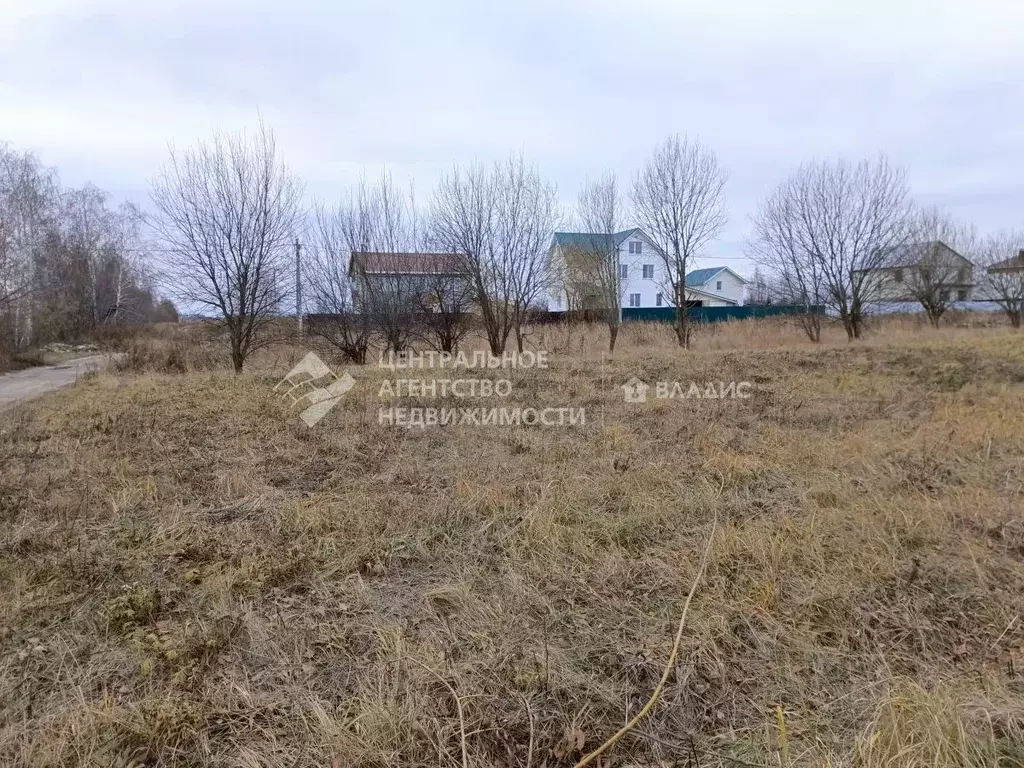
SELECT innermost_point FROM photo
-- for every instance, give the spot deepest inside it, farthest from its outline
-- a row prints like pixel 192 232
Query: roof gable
pixel 916 254
pixel 699 277
pixel 592 240
pixel 378 263
pixel 1012 264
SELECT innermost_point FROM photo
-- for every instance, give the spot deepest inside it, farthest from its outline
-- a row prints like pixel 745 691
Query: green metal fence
pixel 716 314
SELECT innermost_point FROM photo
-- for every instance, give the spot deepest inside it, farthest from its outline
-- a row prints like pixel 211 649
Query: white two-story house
pixel 583 267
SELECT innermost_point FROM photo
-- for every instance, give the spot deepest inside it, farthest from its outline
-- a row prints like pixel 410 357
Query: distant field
pixel 192 576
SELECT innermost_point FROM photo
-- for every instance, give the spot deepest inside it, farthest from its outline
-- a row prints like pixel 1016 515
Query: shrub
pixel 173 356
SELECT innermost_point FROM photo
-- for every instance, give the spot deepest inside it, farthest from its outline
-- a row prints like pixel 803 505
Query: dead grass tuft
pixel 917 728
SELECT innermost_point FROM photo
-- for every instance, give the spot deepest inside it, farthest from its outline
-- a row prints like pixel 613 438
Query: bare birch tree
pixel 1002 258
pixel 595 260
pixel 29 194
pixel 69 262
pixel 228 210
pixel 678 199
pixel 106 243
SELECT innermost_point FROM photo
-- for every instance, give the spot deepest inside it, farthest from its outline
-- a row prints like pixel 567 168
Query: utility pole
pixel 298 284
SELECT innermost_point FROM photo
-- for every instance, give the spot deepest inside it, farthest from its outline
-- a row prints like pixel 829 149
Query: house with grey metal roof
pixel 906 272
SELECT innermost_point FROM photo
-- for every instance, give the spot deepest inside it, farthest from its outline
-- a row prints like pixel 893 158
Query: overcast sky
pixel 99 87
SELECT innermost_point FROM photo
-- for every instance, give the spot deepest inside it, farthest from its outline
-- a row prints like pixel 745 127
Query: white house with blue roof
pixel 641 269
pixel 718 281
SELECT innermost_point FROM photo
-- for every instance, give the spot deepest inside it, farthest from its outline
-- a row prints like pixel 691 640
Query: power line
pixel 118 248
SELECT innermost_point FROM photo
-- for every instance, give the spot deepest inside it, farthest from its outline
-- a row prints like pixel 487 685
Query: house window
pixel 635 247
pixel 657 300
pixel 944 294
pixel 961 275
pixel 648 271
pixel 961 295
pixel 624 271
pixel 718 285
pixel 897 275
pixel 634 299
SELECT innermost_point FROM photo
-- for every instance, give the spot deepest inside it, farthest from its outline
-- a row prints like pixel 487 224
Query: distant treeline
pixel 70 262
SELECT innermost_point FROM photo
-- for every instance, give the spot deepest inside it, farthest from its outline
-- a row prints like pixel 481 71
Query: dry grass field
pixel 192 576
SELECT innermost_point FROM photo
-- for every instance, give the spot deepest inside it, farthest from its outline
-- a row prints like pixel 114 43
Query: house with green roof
pixel 588 270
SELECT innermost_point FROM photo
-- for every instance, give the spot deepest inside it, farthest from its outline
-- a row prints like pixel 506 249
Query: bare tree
pixel 463 220
pixel 932 265
pixel 1002 258
pixel 389 289
pixel 105 244
pixel 840 223
pixel 29 194
pixel 761 292
pixel 678 199
pixel 227 210
pixel 594 262
pixel 326 277
pixel 69 262
pixel 381 227
pixel 123 277
pixel 777 245
pixel 87 232
pixel 500 222
pixel 528 213
pixel 446 305
pixel 853 217
pixel 15 285
pixel 62 301
pixel 86 268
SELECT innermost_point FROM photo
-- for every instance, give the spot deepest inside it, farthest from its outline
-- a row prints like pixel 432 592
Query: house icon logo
pixel 635 390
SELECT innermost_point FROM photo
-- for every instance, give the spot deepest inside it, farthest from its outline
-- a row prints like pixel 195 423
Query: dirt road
pixel 32 382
